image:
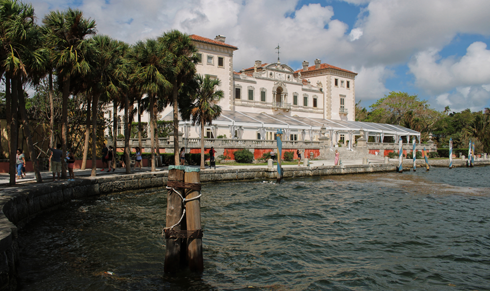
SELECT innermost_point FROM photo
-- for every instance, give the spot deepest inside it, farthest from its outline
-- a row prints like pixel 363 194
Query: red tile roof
pixel 252 68
pixel 211 41
pixel 324 66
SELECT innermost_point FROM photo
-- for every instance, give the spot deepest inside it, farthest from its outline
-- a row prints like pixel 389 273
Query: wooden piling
pixel 174 213
pixel 193 219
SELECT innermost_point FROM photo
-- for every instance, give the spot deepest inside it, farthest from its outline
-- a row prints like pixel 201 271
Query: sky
pixel 435 49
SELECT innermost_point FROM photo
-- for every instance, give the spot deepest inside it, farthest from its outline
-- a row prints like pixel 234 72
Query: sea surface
pixel 388 231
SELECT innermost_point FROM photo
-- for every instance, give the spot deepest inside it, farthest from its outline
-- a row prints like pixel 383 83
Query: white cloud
pixel 355 34
pixel 472 97
pixel 370 83
pixel 436 75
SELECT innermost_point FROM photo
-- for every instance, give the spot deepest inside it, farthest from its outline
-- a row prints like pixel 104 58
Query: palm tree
pixel 182 56
pixel 67 33
pixel 151 74
pixel 21 59
pixel 206 109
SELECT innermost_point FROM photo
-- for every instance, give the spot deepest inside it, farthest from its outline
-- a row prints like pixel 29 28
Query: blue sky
pixel 436 49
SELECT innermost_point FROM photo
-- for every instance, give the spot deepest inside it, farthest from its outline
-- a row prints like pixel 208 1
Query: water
pixel 389 231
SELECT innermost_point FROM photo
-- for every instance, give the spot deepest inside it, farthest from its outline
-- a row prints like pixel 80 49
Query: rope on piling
pixel 169 232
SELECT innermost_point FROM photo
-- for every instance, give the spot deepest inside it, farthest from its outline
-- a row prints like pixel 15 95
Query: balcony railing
pixel 281 105
pixel 343 110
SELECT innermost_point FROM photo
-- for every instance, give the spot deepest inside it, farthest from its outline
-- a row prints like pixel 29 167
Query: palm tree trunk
pixel 64 122
pixel 11 99
pixel 202 141
pixel 114 131
pixel 140 138
pixel 94 135
pixel 27 132
pixel 157 138
pixel 127 128
pixel 51 106
pixel 152 129
pixel 87 136
pixel 175 93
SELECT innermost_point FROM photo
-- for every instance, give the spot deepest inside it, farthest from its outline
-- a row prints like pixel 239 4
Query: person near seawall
pixel 110 155
pixel 212 152
pixel 20 161
pixel 182 156
pixel 55 159
pixel 299 157
pixel 105 157
pixel 70 160
pixel 337 154
pixel 138 158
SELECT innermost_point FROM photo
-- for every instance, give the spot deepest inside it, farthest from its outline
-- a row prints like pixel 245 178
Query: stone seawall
pixel 20 204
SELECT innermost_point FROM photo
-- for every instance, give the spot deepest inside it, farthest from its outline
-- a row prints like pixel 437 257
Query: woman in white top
pixel 138 158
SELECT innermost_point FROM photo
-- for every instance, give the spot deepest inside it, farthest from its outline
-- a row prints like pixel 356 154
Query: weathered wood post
pixel 192 180
pixel 426 156
pixel 174 216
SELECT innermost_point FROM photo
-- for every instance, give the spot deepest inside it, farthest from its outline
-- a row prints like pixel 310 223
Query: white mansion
pixel 305 104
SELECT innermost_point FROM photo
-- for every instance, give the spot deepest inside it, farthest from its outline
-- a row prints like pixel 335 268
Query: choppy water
pixel 410 231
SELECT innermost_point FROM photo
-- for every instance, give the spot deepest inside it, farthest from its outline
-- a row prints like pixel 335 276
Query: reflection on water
pixel 410 231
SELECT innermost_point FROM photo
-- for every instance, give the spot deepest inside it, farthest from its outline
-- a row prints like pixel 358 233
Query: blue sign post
pixel 279 154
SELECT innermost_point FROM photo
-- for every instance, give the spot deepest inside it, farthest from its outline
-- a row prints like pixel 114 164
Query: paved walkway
pixel 48 177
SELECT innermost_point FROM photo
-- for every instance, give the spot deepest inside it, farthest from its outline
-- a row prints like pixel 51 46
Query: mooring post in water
pixel 472 154
pixel 426 156
pixel 450 153
pixel 175 214
pixel 400 155
pixel 468 163
pixel 414 154
pixel 193 207
pixel 279 154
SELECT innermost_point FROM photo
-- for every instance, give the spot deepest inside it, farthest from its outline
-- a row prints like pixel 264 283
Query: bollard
pixel 364 161
pixel 305 162
pixel 270 164
pixel 193 219
pixel 387 160
pixel 174 214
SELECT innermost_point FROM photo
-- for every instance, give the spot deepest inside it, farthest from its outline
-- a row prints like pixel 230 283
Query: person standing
pixel 212 162
pixel 337 154
pixel 273 156
pixel 110 155
pixel 182 156
pixel 20 162
pixel 138 158
pixel 105 157
pixel 299 157
pixel 70 160
pixel 55 159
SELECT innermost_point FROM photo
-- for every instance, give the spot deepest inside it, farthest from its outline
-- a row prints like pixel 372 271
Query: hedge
pixel 444 152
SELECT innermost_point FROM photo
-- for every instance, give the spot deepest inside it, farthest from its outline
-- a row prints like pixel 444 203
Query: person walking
pixel 55 159
pixel 138 158
pixel 299 157
pixel 110 156
pixel 70 160
pixel 337 154
pixel 20 162
pixel 212 162
pixel 105 157
pixel 273 156
pixel 182 156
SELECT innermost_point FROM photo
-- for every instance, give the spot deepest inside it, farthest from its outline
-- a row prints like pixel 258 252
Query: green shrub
pixel 433 155
pixel 392 155
pixel 444 152
pixel 168 159
pixel 120 136
pixel 266 156
pixel 288 156
pixel 244 156
pixel 409 156
pixel 224 157
pixel 221 136
pixel 195 159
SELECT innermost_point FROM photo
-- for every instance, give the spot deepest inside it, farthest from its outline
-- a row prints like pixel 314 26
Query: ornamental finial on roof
pixel 277 48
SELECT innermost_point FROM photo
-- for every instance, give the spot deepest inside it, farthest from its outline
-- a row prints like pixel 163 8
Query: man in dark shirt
pixel 55 159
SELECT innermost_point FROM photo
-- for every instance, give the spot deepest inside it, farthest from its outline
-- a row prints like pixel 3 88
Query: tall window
pixel 336 82
pixel 199 58
pixel 342 83
pixel 250 94
pixel 315 102
pixel 262 96
pixel 210 60
pixel 237 93
pixel 209 133
pixel 293 137
pixel 295 99
pixel 305 100
pixel 342 103
pixel 348 84
pixel 220 62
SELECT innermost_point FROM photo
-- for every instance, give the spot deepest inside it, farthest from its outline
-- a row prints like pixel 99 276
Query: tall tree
pixel 151 74
pixel 206 108
pixel 68 33
pixel 182 56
